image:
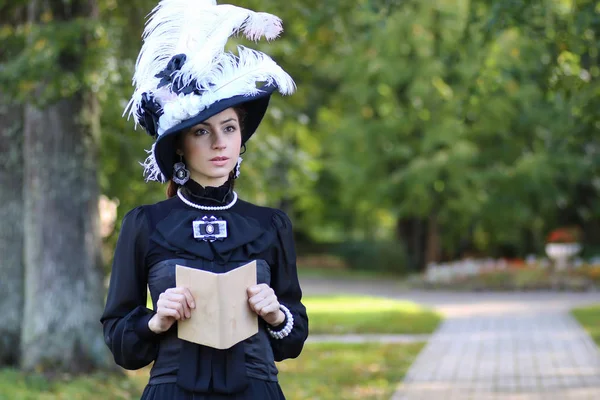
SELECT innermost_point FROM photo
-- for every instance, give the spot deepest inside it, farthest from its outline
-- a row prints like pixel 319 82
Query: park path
pixel 495 345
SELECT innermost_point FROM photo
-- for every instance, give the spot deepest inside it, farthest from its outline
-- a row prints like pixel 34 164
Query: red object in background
pixel 516 263
pixel 565 235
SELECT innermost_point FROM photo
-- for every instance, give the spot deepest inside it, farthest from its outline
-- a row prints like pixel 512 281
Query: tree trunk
pixel 432 253
pixel 63 270
pixel 418 239
pixel 410 233
pixel 11 231
pixel 63 275
pixel 11 200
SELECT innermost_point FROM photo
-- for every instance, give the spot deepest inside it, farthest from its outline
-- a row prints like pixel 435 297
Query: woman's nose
pixel 219 142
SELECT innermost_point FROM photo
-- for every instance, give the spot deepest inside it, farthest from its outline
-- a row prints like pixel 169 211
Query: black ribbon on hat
pixel 167 74
pixel 149 112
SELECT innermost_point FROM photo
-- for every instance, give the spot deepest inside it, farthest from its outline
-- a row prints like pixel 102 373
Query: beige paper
pixel 222 316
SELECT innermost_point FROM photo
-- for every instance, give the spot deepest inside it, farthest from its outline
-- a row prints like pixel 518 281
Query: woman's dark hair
pixel 172 186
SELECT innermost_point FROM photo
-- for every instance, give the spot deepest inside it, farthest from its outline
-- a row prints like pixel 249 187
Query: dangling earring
pixel 237 168
pixel 180 173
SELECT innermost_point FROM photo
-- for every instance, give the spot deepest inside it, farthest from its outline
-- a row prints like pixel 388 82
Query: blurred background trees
pixel 421 130
pixel 444 128
pixel 11 198
pixel 52 57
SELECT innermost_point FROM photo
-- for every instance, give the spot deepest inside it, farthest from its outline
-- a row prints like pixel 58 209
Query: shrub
pixel 498 280
pixel 381 256
pixel 591 272
pixel 531 278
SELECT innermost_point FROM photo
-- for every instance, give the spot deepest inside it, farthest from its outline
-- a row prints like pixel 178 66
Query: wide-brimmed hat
pixel 184 76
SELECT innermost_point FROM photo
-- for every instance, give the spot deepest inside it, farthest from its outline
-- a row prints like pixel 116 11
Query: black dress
pixel 153 239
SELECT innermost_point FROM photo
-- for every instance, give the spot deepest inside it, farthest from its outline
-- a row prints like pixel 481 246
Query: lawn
pixel 346 371
pixel 361 314
pixel 17 386
pixel 324 371
pixel 589 318
pixel 364 314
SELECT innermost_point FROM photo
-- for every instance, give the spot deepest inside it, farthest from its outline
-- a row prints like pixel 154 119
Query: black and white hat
pixel 183 75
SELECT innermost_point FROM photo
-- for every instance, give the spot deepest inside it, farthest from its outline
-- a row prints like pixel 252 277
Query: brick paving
pixel 520 346
pixel 535 354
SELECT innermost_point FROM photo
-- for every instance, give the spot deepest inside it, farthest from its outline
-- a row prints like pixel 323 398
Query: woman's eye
pixel 230 129
pixel 201 132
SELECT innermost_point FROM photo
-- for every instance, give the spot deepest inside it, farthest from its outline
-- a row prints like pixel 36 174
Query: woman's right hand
pixel 173 304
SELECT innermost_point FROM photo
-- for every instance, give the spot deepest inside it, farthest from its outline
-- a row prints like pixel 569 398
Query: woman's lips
pixel 219 161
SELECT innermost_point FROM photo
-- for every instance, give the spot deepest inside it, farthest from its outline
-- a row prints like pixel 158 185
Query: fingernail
pixel 193 305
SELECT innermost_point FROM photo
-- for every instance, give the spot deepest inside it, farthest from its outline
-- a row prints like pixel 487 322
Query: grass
pixel 346 371
pixel 15 385
pixel 361 314
pixel 324 371
pixel 589 318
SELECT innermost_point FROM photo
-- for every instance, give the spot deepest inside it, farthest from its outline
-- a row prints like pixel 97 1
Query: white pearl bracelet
pixel 288 325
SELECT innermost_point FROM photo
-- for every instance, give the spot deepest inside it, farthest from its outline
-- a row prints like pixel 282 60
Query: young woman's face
pixel 211 148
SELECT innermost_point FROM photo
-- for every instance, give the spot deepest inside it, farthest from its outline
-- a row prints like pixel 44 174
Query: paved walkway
pixel 495 345
pixel 531 356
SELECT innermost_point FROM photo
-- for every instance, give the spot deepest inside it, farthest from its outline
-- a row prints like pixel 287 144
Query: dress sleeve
pixel 287 288
pixel 125 318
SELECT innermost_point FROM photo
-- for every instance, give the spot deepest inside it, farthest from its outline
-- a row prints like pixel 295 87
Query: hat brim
pixel 255 106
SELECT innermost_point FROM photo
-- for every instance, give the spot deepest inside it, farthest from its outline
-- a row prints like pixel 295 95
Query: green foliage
pixel 481 115
pixel 380 256
pixel 321 272
pixel 52 58
pixel 471 117
pixel 360 314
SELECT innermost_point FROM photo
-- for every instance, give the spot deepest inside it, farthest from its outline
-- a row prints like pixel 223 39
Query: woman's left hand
pixel 263 301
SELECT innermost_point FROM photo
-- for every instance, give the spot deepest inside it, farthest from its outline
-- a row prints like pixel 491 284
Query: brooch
pixel 209 229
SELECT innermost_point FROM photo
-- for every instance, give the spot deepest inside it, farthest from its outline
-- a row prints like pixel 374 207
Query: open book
pixel 222 316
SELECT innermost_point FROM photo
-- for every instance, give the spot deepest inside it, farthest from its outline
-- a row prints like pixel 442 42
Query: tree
pixel 11 230
pixel 464 120
pixel 402 144
pixel 63 275
pixel 11 200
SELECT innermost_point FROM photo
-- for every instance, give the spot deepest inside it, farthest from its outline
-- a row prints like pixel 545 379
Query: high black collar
pixel 209 195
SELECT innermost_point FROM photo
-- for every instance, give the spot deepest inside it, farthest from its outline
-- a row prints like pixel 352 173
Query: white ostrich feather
pixel 151 169
pixel 243 71
pixel 232 76
pixel 199 29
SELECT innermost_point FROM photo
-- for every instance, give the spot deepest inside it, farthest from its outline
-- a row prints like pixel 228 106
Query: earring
pixel 180 173
pixel 237 167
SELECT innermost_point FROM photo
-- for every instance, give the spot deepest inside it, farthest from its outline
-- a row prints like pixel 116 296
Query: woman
pixel 201 120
